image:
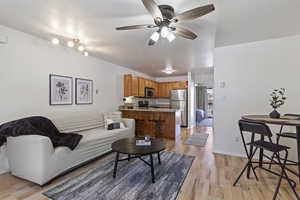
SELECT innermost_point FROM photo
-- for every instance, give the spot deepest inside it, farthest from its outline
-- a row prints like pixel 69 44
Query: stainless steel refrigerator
pixel 179 100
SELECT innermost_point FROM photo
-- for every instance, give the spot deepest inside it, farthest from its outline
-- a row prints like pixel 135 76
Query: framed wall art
pixel 61 90
pixel 83 91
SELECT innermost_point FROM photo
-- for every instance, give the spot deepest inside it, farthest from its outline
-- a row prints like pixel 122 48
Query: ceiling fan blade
pixel 154 10
pixel 195 13
pixel 145 26
pixel 183 32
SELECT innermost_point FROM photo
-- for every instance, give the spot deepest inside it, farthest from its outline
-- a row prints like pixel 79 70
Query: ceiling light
pixel 55 41
pixel 81 48
pixel 155 36
pixel 71 44
pixel 171 36
pixel 86 53
pixel 168 70
pixel 164 31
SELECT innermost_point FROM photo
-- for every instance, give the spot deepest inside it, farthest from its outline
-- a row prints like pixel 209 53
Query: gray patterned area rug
pixel 197 139
pixel 133 181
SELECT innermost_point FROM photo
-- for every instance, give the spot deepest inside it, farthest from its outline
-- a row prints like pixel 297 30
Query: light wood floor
pixel 210 177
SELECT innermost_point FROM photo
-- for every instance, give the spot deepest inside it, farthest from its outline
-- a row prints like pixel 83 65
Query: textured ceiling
pixel 245 21
pixel 94 23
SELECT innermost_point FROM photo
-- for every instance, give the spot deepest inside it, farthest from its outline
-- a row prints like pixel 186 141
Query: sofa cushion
pixel 90 136
pixel 77 121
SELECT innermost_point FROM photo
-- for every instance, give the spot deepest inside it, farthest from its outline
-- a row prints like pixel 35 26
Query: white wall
pixel 203 79
pixel 191 101
pixel 250 72
pixel 25 65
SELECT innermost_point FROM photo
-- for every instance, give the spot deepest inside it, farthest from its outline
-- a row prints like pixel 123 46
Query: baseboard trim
pixel 229 154
pixel 4 172
pixel 256 156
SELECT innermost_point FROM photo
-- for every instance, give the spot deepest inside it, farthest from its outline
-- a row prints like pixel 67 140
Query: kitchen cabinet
pixel 131 85
pixel 181 85
pixel 135 86
pixel 127 85
pixel 155 86
pixel 142 85
pixel 145 83
pixel 163 90
pixel 156 124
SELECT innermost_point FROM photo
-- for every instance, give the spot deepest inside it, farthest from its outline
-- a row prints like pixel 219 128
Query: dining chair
pixel 284 134
pixel 261 129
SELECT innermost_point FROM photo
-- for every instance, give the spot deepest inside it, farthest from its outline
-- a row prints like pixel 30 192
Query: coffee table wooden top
pixel 284 120
pixel 128 146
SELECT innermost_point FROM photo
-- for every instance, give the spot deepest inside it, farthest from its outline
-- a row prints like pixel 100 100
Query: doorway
pixel 204 106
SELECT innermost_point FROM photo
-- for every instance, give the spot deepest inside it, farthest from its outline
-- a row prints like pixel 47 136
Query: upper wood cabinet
pixel 155 86
pixel 135 86
pixel 131 85
pixel 163 90
pixel 127 85
pixel 142 85
pixel 179 85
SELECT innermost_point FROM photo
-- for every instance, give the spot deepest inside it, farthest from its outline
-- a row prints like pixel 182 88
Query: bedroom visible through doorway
pixel 204 106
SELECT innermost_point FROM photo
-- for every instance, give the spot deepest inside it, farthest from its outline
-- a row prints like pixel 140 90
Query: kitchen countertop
pixel 149 109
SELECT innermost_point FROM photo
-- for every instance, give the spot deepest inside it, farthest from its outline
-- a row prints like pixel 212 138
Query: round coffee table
pixel 128 146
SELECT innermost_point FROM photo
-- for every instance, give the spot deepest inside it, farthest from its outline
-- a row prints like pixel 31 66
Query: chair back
pixel 292 115
pixel 255 127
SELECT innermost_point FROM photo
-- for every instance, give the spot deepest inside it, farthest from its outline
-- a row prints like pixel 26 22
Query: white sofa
pixel 33 157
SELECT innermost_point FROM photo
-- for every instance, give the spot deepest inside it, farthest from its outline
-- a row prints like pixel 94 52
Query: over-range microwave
pixel 149 92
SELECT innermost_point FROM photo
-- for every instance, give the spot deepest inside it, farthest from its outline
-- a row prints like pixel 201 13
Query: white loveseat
pixel 33 157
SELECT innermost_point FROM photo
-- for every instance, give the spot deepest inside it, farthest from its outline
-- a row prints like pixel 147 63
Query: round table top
pixel 284 120
pixel 128 146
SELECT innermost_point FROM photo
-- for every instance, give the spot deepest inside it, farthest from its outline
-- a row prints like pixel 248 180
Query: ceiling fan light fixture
pixel 155 36
pixel 55 41
pixel 81 48
pixel 164 31
pixel 70 44
pixel 169 70
pixel 171 37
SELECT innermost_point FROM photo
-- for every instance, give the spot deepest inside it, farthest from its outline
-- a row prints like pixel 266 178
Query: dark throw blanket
pixel 38 126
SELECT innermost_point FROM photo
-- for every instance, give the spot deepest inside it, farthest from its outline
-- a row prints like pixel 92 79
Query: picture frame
pixel 83 91
pixel 60 90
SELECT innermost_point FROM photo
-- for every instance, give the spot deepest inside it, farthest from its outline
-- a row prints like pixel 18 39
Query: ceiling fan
pixel 165 20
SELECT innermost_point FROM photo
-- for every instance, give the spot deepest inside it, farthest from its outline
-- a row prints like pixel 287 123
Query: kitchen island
pixel 154 122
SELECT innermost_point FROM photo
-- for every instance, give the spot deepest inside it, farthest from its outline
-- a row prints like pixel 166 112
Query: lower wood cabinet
pixel 154 124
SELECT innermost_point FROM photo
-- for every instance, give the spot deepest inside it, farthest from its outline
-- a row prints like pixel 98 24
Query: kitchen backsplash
pixel 152 102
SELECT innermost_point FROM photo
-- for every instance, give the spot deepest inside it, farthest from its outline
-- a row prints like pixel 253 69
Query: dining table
pixel 293 121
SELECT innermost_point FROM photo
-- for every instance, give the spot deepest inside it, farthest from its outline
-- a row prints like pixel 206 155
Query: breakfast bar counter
pixel 154 122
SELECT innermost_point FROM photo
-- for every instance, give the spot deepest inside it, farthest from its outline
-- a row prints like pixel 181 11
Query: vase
pixel 274 114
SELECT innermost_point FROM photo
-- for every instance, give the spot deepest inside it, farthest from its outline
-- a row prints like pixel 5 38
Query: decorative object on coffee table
pixel 84 91
pixel 128 146
pixel 277 99
pixel 61 90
